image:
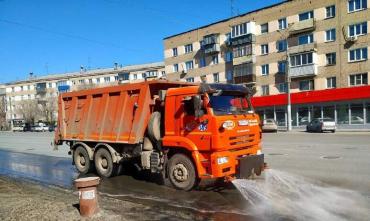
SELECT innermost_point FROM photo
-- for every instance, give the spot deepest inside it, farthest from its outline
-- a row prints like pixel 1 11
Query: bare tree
pixel 2 113
pixel 49 108
pixel 29 109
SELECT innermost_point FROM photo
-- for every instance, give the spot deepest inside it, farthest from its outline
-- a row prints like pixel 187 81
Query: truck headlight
pixel 228 125
pixel 222 160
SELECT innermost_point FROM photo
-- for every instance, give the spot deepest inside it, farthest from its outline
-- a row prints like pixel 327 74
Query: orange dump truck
pixel 187 132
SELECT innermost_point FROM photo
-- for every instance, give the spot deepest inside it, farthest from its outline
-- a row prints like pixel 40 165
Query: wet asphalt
pixel 340 160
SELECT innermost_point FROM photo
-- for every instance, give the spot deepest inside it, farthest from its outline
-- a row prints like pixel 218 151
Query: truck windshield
pixel 230 104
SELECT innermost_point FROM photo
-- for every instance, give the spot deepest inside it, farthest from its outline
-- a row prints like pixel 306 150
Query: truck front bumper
pixel 248 165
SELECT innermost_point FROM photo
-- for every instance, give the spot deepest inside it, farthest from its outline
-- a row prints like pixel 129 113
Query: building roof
pixel 228 19
pixel 94 72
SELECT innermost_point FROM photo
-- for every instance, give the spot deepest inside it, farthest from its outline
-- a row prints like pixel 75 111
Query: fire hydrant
pixel 88 196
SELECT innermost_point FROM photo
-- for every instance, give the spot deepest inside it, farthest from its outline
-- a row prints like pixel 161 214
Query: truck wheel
pixel 81 160
pixel 104 164
pixel 154 126
pixel 181 172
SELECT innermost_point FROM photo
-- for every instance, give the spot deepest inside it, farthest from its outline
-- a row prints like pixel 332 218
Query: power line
pixel 72 36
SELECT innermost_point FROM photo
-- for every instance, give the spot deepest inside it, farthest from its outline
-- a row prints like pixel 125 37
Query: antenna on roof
pixel 232 8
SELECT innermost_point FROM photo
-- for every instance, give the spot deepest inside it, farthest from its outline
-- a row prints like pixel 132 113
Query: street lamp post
pixel 289 104
pixel 288 80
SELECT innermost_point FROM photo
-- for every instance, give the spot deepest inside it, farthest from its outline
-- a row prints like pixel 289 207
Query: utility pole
pixel 288 80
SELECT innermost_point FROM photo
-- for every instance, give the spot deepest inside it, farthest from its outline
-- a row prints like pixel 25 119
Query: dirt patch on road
pixel 22 200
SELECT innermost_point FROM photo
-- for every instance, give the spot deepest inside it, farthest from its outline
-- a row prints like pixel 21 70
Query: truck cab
pixel 215 125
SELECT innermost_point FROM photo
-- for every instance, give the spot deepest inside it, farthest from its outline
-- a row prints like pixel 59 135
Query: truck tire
pixel 82 160
pixel 104 164
pixel 181 172
pixel 154 126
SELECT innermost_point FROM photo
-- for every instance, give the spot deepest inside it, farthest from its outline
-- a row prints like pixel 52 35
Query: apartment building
pixel 318 47
pixel 45 89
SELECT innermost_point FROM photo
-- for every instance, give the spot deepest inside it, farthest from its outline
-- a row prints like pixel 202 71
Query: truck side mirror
pixel 198 106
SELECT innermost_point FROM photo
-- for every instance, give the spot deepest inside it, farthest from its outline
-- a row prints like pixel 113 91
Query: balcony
pixel 210 44
pixel 302 48
pixel 245 79
pixel 244 39
pixel 244 59
pixel 2 91
pixel 41 88
pixel 212 48
pixel 302 26
pixel 303 71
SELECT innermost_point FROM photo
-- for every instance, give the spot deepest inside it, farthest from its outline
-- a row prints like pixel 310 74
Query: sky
pixel 50 36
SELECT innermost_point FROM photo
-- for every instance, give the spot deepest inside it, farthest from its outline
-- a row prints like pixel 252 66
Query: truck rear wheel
pixel 181 172
pixel 104 164
pixel 81 160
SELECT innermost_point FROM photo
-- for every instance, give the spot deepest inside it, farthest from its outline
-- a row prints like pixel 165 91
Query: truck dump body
pixel 117 114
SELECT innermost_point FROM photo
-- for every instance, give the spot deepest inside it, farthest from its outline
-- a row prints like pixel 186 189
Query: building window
pixel 116 78
pixel 202 62
pixel 215 59
pixel 265 28
pixel 81 81
pixel 330 35
pixel 123 76
pixel 282 67
pixel 356 5
pixel 106 79
pixel 282 87
pixel 50 85
pixel 28 87
pixel 229 76
pixel 189 79
pixel 21 88
pixel 239 30
pixel 229 56
pixel 305 39
pixel 330 11
pixel 175 67
pixel 98 80
pixel 301 59
pixel 90 81
pixel 331 82
pixel 242 50
pixel 305 16
pixel 151 74
pixel 331 58
pixel 306 85
pixel 216 78
pixel 174 52
pixel 265 69
pixel 359 54
pixel 281 45
pixel 135 76
pixel 264 49
pixel 282 24
pixel 188 48
pixel 357 29
pixel 265 90
pixel 358 79
pixel 189 65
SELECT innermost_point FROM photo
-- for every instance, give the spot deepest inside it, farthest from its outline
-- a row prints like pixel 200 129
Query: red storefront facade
pixel 350 107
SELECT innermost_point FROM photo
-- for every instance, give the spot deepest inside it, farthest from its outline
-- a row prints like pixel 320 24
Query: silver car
pixel 321 125
pixel 269 125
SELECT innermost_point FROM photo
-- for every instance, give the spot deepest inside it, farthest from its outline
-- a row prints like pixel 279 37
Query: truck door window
pixel 188 106
pixel 229 104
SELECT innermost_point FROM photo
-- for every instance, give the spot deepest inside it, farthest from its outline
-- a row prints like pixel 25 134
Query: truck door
pixel 195 129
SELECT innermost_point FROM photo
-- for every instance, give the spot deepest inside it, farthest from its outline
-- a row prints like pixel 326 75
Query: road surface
pixel 331 160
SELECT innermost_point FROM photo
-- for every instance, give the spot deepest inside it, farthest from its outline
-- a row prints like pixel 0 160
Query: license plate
pixel 243 123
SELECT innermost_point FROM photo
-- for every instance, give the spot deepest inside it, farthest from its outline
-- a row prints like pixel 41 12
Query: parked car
pixel 39 128
pixel 52 128
pixel 27 127
pixel 269 125
pixel 321 125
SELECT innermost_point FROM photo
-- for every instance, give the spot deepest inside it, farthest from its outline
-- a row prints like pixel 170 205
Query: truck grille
pixel 242 141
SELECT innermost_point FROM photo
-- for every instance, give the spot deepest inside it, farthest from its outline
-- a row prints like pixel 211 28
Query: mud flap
pixel 250 164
